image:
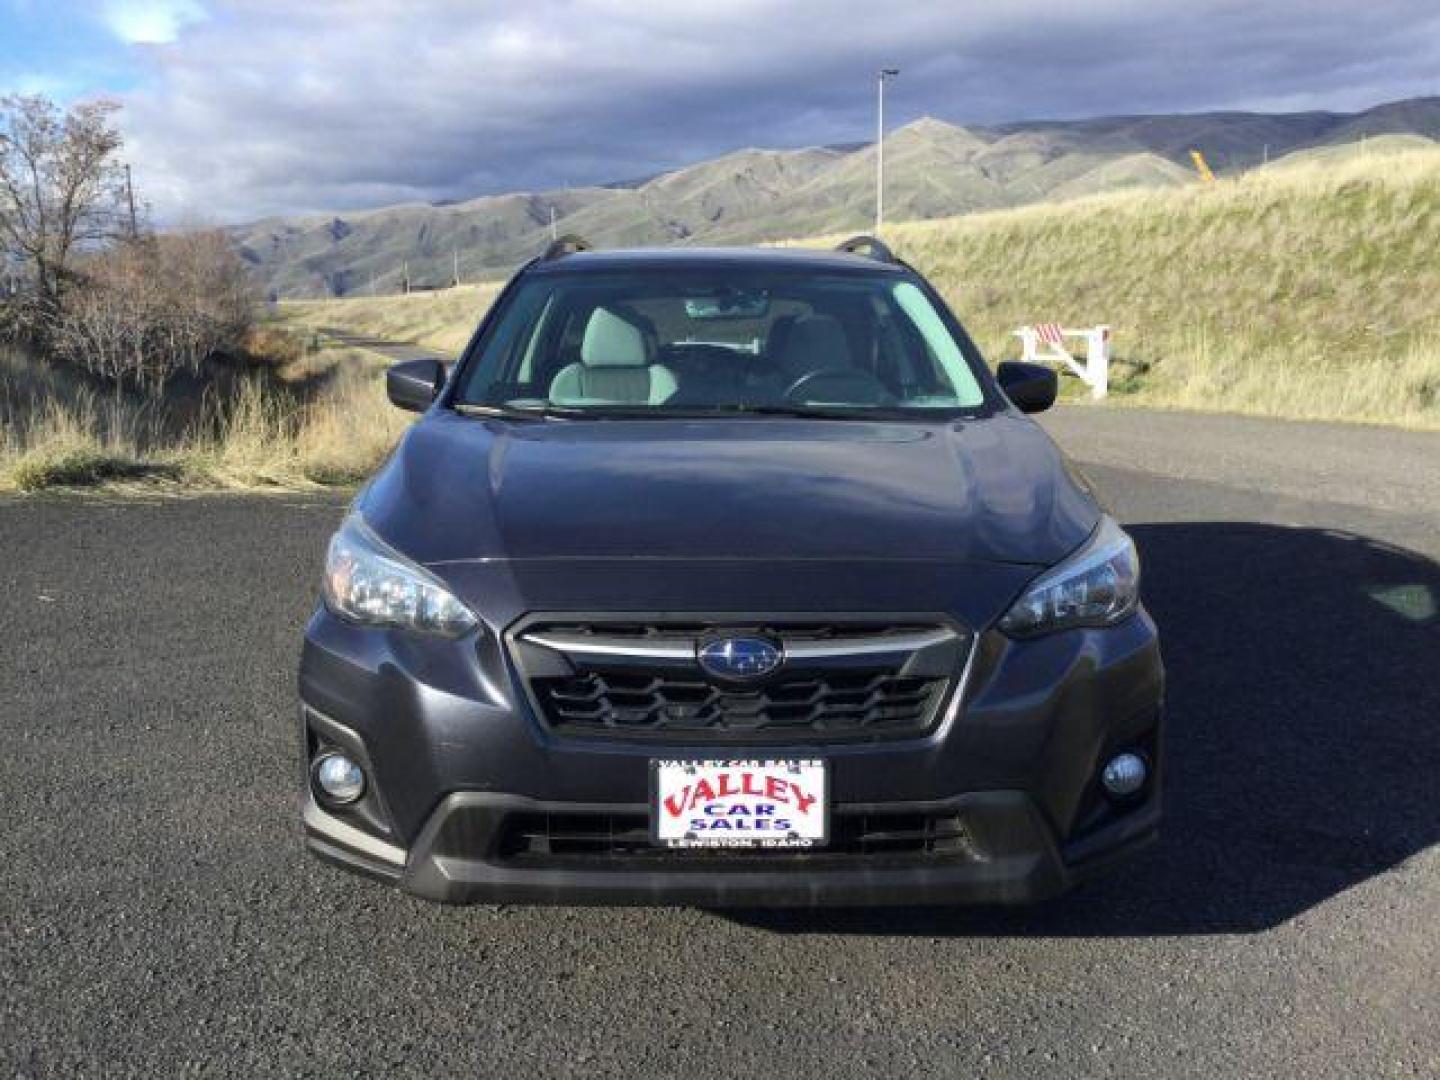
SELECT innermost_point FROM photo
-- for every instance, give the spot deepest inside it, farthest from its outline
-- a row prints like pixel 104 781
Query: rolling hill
pixel 934 169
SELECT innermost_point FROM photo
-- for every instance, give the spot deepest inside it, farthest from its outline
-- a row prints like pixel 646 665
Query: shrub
pixel 272 346
pixel 149 309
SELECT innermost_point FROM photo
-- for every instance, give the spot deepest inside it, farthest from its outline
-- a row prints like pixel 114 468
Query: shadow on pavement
pixel 1303 741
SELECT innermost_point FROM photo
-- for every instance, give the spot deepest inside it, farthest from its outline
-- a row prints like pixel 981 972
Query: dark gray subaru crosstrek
pixel 728 577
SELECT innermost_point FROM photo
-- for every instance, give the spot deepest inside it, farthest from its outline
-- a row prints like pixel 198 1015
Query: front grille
pixel 640 680
pixel 860 703
pixel 541 840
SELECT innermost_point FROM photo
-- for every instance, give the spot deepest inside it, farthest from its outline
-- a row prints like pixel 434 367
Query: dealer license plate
pixel 739 804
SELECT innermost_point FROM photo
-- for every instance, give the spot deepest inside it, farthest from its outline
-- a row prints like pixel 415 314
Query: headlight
pixel 367 581
pixel 1097 586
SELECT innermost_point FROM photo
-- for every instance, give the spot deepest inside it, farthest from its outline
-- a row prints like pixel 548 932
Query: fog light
pixel 339 779
pixel 1124 775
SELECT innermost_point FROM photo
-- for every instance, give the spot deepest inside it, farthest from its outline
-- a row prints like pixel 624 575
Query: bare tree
pixel 141 312
pixel 102 295
pixel 59 188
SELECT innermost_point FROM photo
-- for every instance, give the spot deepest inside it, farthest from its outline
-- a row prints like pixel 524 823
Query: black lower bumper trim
pixel 458 858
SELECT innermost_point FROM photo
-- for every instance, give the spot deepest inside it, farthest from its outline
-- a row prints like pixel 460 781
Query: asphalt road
pixel 158 915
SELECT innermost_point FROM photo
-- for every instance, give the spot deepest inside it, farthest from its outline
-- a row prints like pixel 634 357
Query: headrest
pixel 611 341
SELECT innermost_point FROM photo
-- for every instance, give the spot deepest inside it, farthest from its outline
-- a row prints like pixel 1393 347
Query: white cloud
pixel 150 22
pixel 285 105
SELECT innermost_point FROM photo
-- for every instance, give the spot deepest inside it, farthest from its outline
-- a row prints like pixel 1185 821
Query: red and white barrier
pixel 1045 342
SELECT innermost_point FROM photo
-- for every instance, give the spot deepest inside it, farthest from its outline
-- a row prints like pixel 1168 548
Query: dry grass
pixel 54 430
pixel 441 320
pixel 57 432
pixel 339 437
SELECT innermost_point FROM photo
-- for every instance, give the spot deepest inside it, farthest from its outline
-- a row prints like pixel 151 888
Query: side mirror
pixel 413 384
pixel 1030 387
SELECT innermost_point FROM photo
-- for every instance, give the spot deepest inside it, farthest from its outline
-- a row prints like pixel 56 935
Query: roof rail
pixel 868 245
pixel 568 244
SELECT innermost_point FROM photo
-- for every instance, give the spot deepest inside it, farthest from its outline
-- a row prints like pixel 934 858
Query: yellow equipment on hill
pixel 1202 167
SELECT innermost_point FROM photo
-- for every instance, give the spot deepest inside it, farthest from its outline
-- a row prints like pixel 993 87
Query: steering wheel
pixel 852 386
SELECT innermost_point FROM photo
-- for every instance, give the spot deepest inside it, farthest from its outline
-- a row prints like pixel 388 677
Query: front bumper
pixel 456 860
pixel 458 760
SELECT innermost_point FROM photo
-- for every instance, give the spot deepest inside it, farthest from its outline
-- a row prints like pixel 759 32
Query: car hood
pixel 992 490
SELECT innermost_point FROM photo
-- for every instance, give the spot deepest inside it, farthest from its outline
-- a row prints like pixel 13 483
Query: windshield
pixel 722 341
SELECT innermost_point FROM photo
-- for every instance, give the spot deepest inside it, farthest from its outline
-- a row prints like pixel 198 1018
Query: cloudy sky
pixel 239 108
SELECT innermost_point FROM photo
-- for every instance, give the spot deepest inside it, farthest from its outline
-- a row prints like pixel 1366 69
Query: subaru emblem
pixel 739 658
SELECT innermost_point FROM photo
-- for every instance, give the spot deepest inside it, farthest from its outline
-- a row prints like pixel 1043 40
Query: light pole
pixel 880 79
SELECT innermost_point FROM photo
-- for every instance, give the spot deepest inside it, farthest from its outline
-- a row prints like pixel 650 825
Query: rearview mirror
pixel 1030 387
pixel 728 304
pixel 413 384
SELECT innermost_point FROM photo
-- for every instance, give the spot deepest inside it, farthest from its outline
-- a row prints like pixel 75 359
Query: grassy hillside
pixel 323 255
pixel 1308 289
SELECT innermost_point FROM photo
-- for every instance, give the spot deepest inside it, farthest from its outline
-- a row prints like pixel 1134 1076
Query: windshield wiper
pixel 571 412
pixel 514 412
pixel 813 412
pixel 590 412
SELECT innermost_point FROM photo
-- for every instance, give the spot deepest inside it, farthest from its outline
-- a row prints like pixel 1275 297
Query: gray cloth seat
pixel 799 346
pixel 614 367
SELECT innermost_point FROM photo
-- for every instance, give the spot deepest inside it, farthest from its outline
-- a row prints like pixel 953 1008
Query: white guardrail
pixel 1045 342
